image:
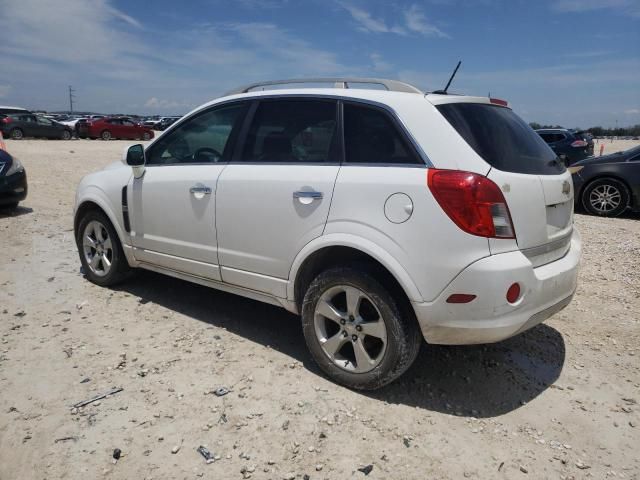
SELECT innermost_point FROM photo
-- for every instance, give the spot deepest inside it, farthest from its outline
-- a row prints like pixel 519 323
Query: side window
pixel 44 121
pixel 203 138
pixel 547 137
pixel 128 123
pixel 371 136
pixel 293 131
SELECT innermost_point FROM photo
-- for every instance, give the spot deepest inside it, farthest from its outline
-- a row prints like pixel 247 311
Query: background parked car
pixel 570 145
pixel 608 185
pixel 113 127
pixel 4 109
pixel 20 125
pixel 166 122
pixel 13 181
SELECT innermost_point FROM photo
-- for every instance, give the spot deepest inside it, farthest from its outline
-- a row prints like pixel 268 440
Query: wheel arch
pixel 99 204
pixel 340 249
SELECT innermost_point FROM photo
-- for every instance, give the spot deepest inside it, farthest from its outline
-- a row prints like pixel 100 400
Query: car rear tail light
pixel 579 144
pixel 7 120
pixel 498 101
pixel 513 294
pixel 472 201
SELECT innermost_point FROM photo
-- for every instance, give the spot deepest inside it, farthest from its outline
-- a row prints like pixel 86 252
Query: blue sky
pixel 568 62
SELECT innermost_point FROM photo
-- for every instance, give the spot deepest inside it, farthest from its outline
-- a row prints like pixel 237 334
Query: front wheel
pixel 66 135
pixel 607 197
pixel 105 135
pixel 146 136
pixel 355 330
pixel 100 251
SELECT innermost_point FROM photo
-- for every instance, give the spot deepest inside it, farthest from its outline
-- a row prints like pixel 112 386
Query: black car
pixel 570 145
pixel 20 125
pixel 608 185
pixel 6 110
pixel 166 123
pixel 13 181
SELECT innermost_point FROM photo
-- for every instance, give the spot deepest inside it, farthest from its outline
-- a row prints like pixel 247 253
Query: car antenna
pixel 444 92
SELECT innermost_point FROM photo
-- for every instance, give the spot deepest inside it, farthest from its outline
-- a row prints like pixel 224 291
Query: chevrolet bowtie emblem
pixel 566 188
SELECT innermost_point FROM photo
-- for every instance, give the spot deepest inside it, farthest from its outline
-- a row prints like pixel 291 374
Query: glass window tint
pixel 502 138
pixel 292 131
pixel 201 139
pixel 371 136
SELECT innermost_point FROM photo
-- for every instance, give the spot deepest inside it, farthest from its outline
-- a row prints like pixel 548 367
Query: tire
pixel 388 355
pixel 105 135
pixel 605 197
pixel 146 136
pixel 9 206
pixel 16 134
pixel 66 135
pixel 107 242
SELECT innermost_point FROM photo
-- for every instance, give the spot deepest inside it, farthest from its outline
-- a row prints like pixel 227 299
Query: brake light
pixel 472 201
pixel 498 101
pixel 7 120
pixel 579 144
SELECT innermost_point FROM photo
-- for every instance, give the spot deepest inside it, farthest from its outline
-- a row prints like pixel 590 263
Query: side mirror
pixel 135 159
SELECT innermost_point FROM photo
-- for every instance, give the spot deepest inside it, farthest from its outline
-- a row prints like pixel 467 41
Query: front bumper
pixel 489 317
pixel 13 188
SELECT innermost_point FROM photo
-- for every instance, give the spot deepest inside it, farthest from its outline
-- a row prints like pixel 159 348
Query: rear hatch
pixel 535 183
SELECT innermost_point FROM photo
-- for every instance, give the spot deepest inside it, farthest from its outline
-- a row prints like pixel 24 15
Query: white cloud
pixel 632 111
pixel 365 19
pixel 379 64
pixel 416 21
pixel 413 21
pixel 163 104
pixel 631 7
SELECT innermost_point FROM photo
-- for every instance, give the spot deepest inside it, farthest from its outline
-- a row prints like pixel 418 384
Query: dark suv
pixel 570 145
pixel 20 125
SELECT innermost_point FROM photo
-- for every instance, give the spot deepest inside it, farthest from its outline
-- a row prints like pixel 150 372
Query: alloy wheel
pixel 350 329
pixel 605 198
pixel 97 247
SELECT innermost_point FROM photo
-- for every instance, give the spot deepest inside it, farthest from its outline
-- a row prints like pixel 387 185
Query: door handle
pixel 311 195
pixel 200 189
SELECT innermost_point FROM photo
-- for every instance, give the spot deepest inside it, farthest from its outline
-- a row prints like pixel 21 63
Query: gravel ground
pixel 560 401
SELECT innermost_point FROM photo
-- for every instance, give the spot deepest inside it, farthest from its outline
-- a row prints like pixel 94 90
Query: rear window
pixel 502 138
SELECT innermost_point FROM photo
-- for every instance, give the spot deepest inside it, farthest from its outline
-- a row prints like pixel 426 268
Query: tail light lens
pixel 7 120
pixel 472 201
pixel 579 144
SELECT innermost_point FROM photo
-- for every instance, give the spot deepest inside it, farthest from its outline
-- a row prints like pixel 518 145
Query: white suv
pixel 378 215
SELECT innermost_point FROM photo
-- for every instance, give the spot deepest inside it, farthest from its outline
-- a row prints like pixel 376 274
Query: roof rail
pixel 339 82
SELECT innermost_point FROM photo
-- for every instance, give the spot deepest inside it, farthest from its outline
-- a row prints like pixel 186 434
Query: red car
pixel 113 127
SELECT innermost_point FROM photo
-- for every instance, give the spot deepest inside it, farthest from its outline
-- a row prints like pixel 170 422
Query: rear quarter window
pixel 502 138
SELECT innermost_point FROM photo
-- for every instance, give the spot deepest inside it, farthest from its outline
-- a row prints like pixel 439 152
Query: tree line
pixel 632 131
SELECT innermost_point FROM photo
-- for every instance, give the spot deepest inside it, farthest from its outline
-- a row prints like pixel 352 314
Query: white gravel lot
pixel 560 401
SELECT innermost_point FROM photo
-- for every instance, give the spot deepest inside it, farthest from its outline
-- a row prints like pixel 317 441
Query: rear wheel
pixel 355 330
pixel 100 251
pixel 105 135
pixel 146 136
pixel 607 197
pixel 66 135
pixel 17 134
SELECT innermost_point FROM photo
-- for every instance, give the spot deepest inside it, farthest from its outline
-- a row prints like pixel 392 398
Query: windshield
pixel 502 138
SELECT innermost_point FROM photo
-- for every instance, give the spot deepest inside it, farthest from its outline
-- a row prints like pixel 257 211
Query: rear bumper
pixel 13 188
pixel 489 317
